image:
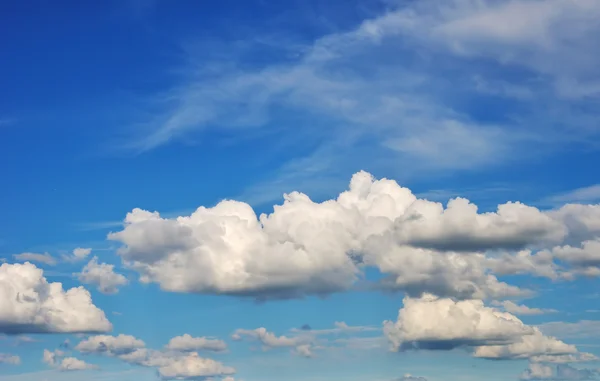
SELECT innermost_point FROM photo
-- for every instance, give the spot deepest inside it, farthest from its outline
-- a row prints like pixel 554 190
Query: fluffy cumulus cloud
pixel 562 372
pixel 187 342
pixel 103 276
pixel 441 323
pixel 305 247
pixel 28 303
pixel 177 363
pixel 58 359
pixel 6 358
pixel 110 345
pixel 193 367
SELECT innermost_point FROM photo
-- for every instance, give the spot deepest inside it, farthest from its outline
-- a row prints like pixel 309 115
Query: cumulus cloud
pixel 441 323
pixel 44 258
pixel 172 364
pixel 28 303
pixel 102 276
pixel 561 372
pixel 110 345
pixel 6 358
pixel 187 342
pixel 78 254
pixel 191 367
pixel 305 248
pixel 57 359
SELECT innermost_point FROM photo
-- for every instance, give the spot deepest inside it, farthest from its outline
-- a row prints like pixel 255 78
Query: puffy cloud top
pixel 305 248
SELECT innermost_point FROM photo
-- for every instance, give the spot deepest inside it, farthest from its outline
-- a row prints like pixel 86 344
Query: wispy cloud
pixel 390 93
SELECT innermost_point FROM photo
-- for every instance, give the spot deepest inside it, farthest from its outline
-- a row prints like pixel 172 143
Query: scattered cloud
pixel 102 276
pixel 78 254
pixel 561 372
pixel 44 258
pixel 521 309
pixel 9 359
pixel 34 305
pixel 432 323
pixel 170 365
pixel 187 343
pixel 57 359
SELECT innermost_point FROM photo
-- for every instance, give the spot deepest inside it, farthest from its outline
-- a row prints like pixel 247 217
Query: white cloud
pixel 45 258
pixel 306 248
pixel 576 330
pixel 192 366
pixel 30 304
pixel 187 342
pixel 102 276
pixel 57 359
pixel 409 377
pixel 564 359
pixel 78 254
pixel 110 345
pixel 6 358
pixel 535 344
pixel 521 309
pixel 301 345
pixel 584 260
pixel 561 372
pixel 72 363
pixel 171 364
pixel 434 323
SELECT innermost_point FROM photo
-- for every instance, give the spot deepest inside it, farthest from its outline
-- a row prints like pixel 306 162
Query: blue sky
pixel 388 109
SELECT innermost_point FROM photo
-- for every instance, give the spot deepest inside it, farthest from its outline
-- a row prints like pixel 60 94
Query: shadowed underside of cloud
pixel 432 323
pixel 307 248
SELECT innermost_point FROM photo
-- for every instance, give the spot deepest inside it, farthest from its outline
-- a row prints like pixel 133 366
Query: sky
pixel 323 190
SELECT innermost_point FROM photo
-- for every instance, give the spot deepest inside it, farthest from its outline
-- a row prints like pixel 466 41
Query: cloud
pixel 587 194
pixel 102 276
pixel 408 377
pixel 559 373
pixel 584 260
pixel 307 248
pixel 31 304
pixel 193 367
pixel 188 343
pixel 175 363
pixel 302 345
pixel 110 345
pixel 564 359
pixel 433 323
pixel 574 330
pixel 449 324
pixel 6 358
pixel 57 359
pixel 517 309
pixel 78 254
pixel 45 258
